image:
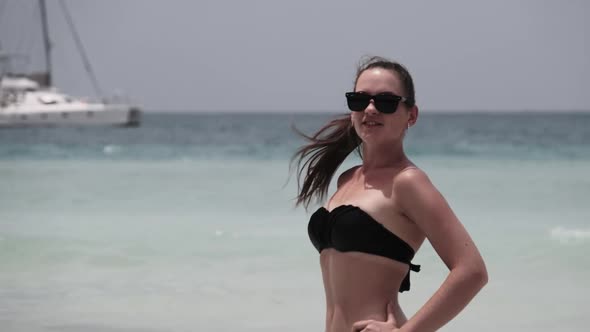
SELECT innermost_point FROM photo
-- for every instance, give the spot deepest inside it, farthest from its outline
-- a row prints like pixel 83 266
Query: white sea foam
pixel 110 149
pixel 570 235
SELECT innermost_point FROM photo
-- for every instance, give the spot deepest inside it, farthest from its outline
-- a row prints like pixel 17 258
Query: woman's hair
pixel 331 144
pixel 402 74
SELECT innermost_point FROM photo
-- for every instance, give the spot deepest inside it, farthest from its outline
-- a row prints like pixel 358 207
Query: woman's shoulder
pixel 415 195
pixel 346 175
pixel 411 178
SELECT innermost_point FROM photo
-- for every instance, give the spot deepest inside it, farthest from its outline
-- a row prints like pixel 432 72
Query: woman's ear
pixel 413 116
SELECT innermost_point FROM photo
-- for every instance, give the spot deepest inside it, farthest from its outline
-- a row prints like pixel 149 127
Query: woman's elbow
pixel 473 276
pixel 479 275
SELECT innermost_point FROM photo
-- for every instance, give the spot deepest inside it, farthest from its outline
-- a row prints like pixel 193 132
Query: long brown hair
pixel 326 150
pixel 331 144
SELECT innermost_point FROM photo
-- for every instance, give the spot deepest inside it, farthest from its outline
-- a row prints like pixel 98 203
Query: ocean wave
pixel 110 149
pixel 570 235
pixel 253 136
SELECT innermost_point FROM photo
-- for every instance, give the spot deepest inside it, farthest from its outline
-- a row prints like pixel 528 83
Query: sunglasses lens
pixel 357 102
pixel 386 103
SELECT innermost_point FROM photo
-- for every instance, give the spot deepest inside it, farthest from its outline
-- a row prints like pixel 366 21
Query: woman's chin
pixel 371 136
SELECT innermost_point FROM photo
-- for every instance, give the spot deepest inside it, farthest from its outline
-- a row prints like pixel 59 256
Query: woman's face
pixel 372 125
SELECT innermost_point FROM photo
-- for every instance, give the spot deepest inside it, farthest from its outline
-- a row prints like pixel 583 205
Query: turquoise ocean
pixel 187 223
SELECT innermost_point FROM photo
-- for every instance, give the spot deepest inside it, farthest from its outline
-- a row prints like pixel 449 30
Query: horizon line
pixel 482 111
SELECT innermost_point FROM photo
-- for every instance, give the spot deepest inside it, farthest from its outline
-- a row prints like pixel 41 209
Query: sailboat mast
pixel 46 41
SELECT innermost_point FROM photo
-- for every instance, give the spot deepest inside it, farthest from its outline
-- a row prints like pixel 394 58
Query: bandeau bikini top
pixel 349 228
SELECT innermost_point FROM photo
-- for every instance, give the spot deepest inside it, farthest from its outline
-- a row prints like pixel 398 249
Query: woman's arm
pixel 422 203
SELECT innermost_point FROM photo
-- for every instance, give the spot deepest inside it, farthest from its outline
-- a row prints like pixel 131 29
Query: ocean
pixel 187 223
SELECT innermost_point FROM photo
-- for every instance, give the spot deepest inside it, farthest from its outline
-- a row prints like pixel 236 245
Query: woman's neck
pixel 375 157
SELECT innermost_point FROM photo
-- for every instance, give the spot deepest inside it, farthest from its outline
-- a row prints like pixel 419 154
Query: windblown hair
pixel 331 144
pixel 326 151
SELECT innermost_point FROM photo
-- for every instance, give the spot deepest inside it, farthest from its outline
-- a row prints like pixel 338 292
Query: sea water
pixel 187 223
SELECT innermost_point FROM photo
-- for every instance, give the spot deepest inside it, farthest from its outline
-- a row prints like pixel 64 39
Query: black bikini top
pixel 349 228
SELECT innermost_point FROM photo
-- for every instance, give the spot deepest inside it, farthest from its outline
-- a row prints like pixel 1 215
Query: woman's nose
pixel 371 109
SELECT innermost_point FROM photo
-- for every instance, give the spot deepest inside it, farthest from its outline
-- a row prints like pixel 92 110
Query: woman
pixel 382 211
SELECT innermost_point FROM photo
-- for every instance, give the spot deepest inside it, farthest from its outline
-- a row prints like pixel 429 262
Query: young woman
pixel 382 211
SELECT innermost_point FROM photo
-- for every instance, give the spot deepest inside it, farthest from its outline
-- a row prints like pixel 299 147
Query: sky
pixel 290 56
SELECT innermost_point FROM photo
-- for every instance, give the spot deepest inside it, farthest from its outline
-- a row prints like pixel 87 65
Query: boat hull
pixel 89 115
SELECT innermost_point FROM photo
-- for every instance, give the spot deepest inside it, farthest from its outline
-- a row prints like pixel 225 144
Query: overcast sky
pixel 301 55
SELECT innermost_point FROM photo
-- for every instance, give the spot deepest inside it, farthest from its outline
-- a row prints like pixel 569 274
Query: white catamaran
pixel 32 100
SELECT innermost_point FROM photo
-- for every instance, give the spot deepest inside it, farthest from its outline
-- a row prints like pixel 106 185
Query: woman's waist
pixel 351 312
pixel 344 315
pixel 363 287
pixel 363 296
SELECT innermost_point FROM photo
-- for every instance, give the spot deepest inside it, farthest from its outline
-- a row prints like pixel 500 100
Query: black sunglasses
pixel 384 102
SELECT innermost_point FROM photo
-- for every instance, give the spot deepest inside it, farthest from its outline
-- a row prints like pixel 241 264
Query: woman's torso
pixel 358 285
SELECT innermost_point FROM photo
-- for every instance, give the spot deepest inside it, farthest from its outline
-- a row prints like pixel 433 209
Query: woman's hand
pixel 377 326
